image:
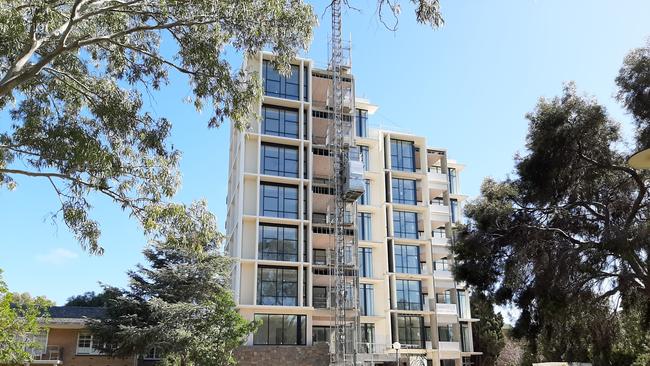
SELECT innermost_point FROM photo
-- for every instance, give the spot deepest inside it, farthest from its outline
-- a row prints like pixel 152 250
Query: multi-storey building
pixel 278 226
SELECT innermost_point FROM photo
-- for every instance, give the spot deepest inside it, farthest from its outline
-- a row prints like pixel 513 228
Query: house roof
pixel 76 312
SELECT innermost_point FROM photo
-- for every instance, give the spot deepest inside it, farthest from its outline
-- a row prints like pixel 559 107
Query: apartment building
pixel 279 227
pixel 67 342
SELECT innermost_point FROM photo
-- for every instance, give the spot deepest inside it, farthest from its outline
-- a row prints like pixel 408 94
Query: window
pixel 367 338
pixel 446 333
pixel 305 84
pixel 442 265
pixel 280 160
pixel 277 286
pixel 362 123
pixel 463 308
pixel 319 297
pixel 278 243
pixel 276 85
pixel 280 122
pixel 404 191
pixel 367 299
pixel 454 210
pixel 452 180
pixel 410 330
pixel 405 224
pixel 279 201
pixel 320 256
pixel 281 329
pixel 365 262
pixel 444 298
pixel 407 259
pixel 447 362
pixel 320 334
pixel 409 295
pixel 153 354
pixel 365 157
pixel 38 344
pixel 365 197
pixel 363 226
pixel 465 342
pixel 85 345
pixel 402 154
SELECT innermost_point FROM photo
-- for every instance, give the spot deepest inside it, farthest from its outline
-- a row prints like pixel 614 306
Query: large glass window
pixel 279 160
pixel 409 295
pixel 320 334
pixel 404 191
pixel 362 123
pixel 280 122
pixel 319 297
pixel 320 256
pixel 281 329
pixel 402 154
pixel 411 330
pixel 276 85
pixel 442 264
pixel 463 307
pixel 405 224
pixel 452 180
pixel 365 157
pixel 305 84
pixel 277 286
pixel 278 200
pixel 367 338
pixel 407 259
pixel 365 197
pixel 454 210
pixel 278 243
pixel 365 262
pixel 446 333
pixel 465 342
pixel 363 225
pixel 367 299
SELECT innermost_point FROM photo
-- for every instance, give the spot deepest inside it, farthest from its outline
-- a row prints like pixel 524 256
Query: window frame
pixel 409 330
pixel 404 288
pixel 301 330
pixel 402 154
pixel 402 254
pixel 280 239
pixel 402 220
pixel 366 299
pixel 281 211
pixel 280 284
pixel 400 190
pixel 283 158
pixel 271 76
pixel 285 126
pixel 364 226
pixel 91 350
pixel 365 262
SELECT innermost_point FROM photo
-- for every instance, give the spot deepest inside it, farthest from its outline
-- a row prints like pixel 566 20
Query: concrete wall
pixel 283 355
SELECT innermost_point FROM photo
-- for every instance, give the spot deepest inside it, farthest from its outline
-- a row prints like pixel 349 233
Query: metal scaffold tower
pixel 347 184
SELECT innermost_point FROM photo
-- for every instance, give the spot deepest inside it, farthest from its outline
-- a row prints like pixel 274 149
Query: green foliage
pixel 487 333
pixel 179 302
pixel 92 299
pixel 567 236
pixel 72 74
pixel 19 321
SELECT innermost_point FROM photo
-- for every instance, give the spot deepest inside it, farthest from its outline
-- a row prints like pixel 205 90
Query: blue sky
pixel 466 87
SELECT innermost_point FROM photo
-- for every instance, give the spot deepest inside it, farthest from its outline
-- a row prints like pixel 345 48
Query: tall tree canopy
pixel 72 75
pixel 178 303
pixel 566 238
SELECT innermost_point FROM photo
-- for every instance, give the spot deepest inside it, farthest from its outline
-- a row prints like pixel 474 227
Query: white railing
pixel 449 346
pixel 449 309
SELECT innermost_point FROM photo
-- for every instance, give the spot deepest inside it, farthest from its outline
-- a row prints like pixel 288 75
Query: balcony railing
pixel 52 353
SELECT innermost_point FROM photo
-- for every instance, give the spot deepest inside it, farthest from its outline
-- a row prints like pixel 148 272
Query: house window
pixel 409 295
pixel 404 191
pixel 410 330
pixel 365 197
pixel 319 297
pixel 365 262
pixel 320 334
pixel 281 329
pixel 402 155
pixel 446 333
pixel 305 84
pixel 362 123
pixel 465 343
pixel 320 256
pixel 444 298
pixel 448 362
pixel 38 344
pixel 280 122
pixel 452 180
pixel 279 160
pixel 279 201
pixel 85 345
pixel 279 86
pixel 405 224
pixel 153 354
pixel 367 338
pixel 442 265
pixel 454 210
pixel 365 157
pixel 278 243
pixel 277 286
pixel 407 259
pixel 363 226
pixel 367 299
pixel 463 307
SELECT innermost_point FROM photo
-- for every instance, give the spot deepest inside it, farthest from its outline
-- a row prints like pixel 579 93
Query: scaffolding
pixel 344 284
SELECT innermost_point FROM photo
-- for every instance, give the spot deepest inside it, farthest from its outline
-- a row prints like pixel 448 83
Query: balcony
pixel 446 309
pixel 449 346
pixel 53 355
pixel 437 179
